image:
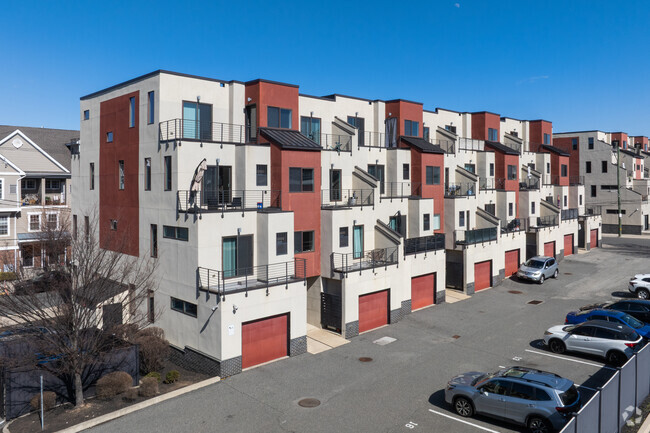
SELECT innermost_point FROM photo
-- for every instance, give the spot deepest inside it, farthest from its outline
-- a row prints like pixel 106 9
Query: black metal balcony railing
pixel 547 221
pixel 448 146
pixel 476 236
pixel 486 184
pixel 569 214
pixel 424 244
pixel 593 210
pixel 186 129
pixel 338 142
pixel 401 189
pixel 371 259
pixel 528 183
pixel 372 139
pixel 250 278
pixel 228 200
pixel 514 225
pixel 576 180
pixel 460 189
pixel 470 144
pixel 347 197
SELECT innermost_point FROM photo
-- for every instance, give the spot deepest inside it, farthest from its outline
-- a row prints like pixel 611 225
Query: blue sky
pixel 581 64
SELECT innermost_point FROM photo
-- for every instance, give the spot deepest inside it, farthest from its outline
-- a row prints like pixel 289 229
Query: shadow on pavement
pixel 621 294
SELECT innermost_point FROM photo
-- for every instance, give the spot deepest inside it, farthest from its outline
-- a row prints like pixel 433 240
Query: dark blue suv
pixel 614 316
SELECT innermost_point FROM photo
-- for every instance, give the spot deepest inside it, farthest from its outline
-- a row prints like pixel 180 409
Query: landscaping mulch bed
pixel 645 411
pixel 67 415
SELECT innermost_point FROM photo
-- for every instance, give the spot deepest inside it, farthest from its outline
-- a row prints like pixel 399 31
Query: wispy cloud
pixel 457 5
pixel 531 80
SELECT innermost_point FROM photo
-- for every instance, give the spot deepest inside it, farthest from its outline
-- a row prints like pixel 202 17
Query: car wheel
pixel 538 425
pixel 615 358
pixel 541 279
pixel 556 273
pixel 642 294
pixel 463 407
pixel 557 346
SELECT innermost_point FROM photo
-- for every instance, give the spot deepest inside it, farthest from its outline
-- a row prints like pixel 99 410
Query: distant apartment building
pixel 34 191
pixel 268 209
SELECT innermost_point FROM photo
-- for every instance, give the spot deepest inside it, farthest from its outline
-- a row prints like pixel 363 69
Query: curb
pixel 133 408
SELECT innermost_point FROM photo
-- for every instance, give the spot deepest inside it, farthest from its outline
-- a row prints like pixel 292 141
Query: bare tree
pixel 63 308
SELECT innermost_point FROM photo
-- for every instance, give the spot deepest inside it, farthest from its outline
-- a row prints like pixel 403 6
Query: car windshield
pixel 634 323
pixel 537 264
pixel 569 396
pixel 569 328
pixel 482 378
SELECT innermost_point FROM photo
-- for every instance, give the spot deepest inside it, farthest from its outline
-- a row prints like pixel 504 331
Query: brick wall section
pixel 298 346
pixel 441 297
pixel 396 315
pixel 352 329
pixel 406 307
pixel 194 360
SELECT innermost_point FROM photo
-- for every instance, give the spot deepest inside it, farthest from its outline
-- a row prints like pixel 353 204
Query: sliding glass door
pixel 357 242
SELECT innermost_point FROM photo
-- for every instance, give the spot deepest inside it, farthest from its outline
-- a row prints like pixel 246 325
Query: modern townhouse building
pixel 268 209
pixel 594 157
pixel 34 191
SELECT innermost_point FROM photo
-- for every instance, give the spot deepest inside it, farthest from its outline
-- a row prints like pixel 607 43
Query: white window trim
pixel 29 222
pixel 8 226
pixel 57 218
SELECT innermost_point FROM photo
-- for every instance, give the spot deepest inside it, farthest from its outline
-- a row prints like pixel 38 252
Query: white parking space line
pixel 567 359
pixel 463 421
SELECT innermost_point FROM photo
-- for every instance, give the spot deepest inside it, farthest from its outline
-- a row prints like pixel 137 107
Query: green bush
pixel 172 376
pixel 49 400
pixel 148 387
pixel 155 374
pixel 113 384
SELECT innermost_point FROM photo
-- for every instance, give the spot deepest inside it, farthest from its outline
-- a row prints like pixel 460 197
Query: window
pixel 523 391
pixel 183 307
pixel 109 137
pixel 74 227
pixel 593 190
pixel 565 200
pixel 52 221
pixel 564 170
pixel 425 133
pixel 260 175
pixel 405 171
pixel 426 223
pixel 547 138
pixel 4 225
pixel 548 167
pixel 178 233
pixel 497 386
pixel 590 142
pixel 493 134
pixel 301 179
pixel 624 144
pixel 436 221
pixel 412 128
pixel 51 185
pixel 168 173
pixel 147 174
pixel 491 169
pixel 150 107
pixel 197 120
pixel 461 219
pixel 604 166
pixel 608 187
pixel 87 227
pixel 470 167
pixel 510 207
pixel 92 175
pixel 588 167
pixel 532 207
pixel 512 172
pixel 114 225
pixel 121 168
pixel 615 211
pixel 281 244
pixel 343 237
pixel 131 111
pixel 574 143
pixel 310 127
pixel 151 310
pixel 34 222
pixel 278 117
pixel 154 240
pixel 360 124
pixel 531 165
pixel 303 242
pixel 86 114
pixel 580 200
pixel 433 175
pixel 450 128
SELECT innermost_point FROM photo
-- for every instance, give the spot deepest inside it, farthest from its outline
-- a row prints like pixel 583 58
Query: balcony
pixel 373 139
pixel 576 180
pixel 228 200
pixel 593 210
pixel 336 142
pixel 529 184
pixel 460 189
pixel 195 130
pixel 424 244
pixel 448 146
pixel 401 189
pixel 251 278
pixel 547 221
pixel 514 225
pixel 569 214
pixel 491 184
pixel 471 144
pixel 476 236
pixel 371 259
pixel 340 198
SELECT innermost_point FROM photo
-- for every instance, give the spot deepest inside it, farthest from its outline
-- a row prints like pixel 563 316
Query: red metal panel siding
pixel 566 144
pixel 568 245
pixel 373 310
pixel 512 262
pixel 593 242
pixel 549 249
pixel 264 94
pixel 121 205
pixel 482 275
pixel 482 121
pixel 436 192
pixel 405 110
pixel 537 129
pixel 423 291
pixel 265 340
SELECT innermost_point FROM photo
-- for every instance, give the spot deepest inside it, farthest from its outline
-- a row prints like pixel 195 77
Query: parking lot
pixel 402 387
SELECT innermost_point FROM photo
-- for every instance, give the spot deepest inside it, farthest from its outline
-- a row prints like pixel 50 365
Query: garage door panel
pixel 423 289
pixel 593 242
pixel 264 340
pixel 482 275
pixel 512 262
pixel 549 249
pixel 568 245
pixel 373 310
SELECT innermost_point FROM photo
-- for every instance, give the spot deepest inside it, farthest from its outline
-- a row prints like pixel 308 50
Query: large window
pixel 4 225
pixel 564 170
pixel 147 174
pixel 310 127
pixel 197 121
pixel 168 173
pixel 34 222
pixel 343 237
pixel 121 169
pixel 436 221
pixel 178 233
pixel 281 244
pixel 493 134
pixel 92 175
pixel 237 256
pixel 303 242
pixel 432 175
pixel 301 179
pixel 512 172
pixel 412 128
pixel 150 107
pixel 131 111
pixel 278 117
pixel 360 124
pixel 261 175
pixel 183 307
pixel 426 223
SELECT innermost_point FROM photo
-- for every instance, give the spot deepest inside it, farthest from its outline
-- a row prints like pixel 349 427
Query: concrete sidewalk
pixel 320 340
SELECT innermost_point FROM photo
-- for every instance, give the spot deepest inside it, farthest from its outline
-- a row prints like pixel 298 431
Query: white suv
pixel 640 286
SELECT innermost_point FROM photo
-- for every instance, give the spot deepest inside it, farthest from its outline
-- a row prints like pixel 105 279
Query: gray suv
pixel 538 269
pixel 536 399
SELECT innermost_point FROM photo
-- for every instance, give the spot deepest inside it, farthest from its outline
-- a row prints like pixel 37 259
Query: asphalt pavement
pixel 401 388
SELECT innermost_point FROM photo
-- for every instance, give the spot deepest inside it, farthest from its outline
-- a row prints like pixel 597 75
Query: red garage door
pixel 549 249
pixel 423 291
pixel 482 275
pixel 373 310
pixel 264 340
pixel 593 242
pixel 568 245
pixel 512 262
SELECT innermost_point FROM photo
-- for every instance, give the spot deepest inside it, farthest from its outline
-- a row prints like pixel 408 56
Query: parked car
pixel 640 286
pixel 614 316
pixel 537 399
pixel 637 308
pixel 40 283
pixel 538 269
pixel 615 342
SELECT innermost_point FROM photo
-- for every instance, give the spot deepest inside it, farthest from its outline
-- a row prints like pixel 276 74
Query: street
pixel 402 388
